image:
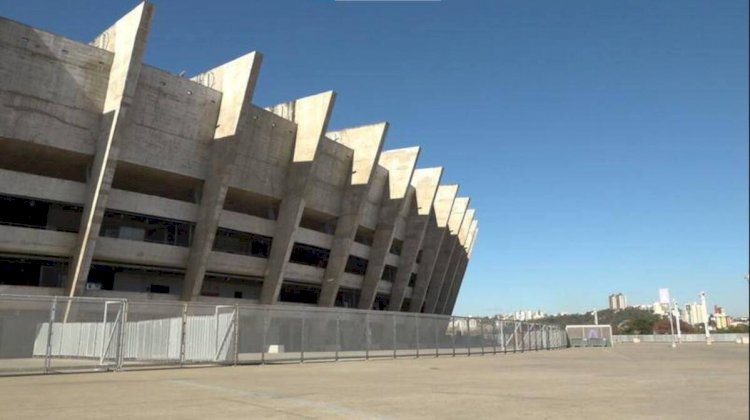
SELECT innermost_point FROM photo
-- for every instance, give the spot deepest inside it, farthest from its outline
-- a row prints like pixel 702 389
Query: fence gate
pixel 210 334
pixel 82 334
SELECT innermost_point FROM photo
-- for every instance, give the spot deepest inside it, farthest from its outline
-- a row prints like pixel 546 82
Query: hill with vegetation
pixel 623 321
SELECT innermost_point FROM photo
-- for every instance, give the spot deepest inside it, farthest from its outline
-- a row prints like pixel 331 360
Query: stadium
pixel 122 180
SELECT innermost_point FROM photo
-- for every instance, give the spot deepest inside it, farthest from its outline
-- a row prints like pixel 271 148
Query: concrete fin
pixel 443 203
pixel 127 40
pixel 426 181
pixel 457 214
pixel 367 143
pixel 236 81
pixel 433 241
pixel 400 164
pixel 311 114
pixel 463 233
pixel 473 238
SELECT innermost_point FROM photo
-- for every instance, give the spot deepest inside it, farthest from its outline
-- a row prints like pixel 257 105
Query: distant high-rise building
pixel 617 301
pixel 694 313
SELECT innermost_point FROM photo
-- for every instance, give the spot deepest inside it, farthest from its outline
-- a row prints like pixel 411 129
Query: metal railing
pixel 52 334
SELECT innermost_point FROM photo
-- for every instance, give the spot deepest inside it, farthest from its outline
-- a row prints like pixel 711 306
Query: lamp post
pixel 671 326
pixel 677 320
pixel 705 317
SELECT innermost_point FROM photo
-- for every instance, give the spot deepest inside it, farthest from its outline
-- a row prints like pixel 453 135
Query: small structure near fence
pixel 51 334
pixel 589 335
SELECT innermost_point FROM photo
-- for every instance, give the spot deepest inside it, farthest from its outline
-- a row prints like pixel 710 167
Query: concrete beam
pixel 425 182
pixel 400 164
pixel 459 255
pixel 127 40
pixel 434 236
pixel 462 270
pixel 311 114
pixel 236 80
pixel 367 144
pixel 450 243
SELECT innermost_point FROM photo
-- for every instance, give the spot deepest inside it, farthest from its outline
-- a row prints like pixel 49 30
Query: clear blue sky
pixel 604 143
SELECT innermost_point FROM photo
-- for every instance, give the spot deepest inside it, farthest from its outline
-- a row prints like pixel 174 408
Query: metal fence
pixel 56 334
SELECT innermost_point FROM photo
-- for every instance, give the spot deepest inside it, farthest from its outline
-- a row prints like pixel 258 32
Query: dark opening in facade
pixel 381 302
pixel 356 265
pixel 347 298
pixel 405 305
pixel 364 236
pixel 317 221
pixel 39 159
pixel 134 279
pixel 309 255
pixel 226 286
pixel 246 202
pixel 159 288
pixel 389 273
pixel 39 214
pixel 30 271
pixel 396 246
pixel 142 228
pixel 412 279
pixel 297 292
pixel 152 181
pixel 243 243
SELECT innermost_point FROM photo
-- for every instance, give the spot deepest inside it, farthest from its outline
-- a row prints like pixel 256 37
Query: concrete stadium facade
pixel 118 179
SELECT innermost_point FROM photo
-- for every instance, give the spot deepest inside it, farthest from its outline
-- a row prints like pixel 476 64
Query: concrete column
pixel 311 114
pixel 236 80
pixel 459 254
pixel 445 255
pixel 400 164
pixel 425 182
pixel 367 144
pixel 434 236
pixel 462 270
pixel 127 40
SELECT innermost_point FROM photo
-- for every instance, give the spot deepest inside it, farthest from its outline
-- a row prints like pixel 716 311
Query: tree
pixel 663 327
pixel 641 325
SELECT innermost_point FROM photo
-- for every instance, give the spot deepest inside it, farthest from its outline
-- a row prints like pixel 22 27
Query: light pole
pixel 671 327
pixel 705 317
pixel 677 320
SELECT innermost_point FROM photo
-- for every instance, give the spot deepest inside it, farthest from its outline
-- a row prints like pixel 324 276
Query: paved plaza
pixel 628 381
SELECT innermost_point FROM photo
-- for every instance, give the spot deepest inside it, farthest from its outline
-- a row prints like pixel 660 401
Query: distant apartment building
pixel 720 321
pixel 695 313
pixel 658 308
pixel 719 318
pixel 617 301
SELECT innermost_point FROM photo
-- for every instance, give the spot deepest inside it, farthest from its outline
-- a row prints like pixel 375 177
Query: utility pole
pixel 596 317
